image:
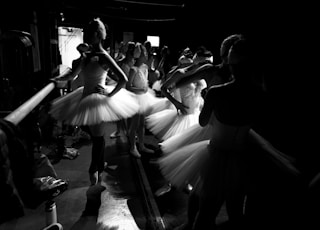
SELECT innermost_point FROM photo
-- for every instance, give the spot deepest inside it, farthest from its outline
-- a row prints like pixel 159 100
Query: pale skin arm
pixel 72 73
pixel 106 62
pixel 165 90
pixel 77 65
pixel 68 75
pixel 192 73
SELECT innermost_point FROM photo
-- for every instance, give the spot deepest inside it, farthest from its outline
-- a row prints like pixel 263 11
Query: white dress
pixel 148 99
pixel 169 122
pixel 84 106
pixel 193 134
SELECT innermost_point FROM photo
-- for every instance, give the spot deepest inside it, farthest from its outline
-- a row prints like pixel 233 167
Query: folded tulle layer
pixel 168 122
pixel 185 165
pixel 161 104
pixel 191 135
pixel 94 108
pixel 146 102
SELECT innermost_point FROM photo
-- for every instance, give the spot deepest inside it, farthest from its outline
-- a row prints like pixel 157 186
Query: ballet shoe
pixel 163 190
pixel 115 134
pixel 94 177
pixel 135 153
pixel 146 150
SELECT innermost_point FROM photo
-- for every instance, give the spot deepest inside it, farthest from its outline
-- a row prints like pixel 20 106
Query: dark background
pixel 285 35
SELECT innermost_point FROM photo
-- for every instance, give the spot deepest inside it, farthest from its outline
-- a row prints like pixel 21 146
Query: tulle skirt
pixel 74 109
pixel 254 161
pixel 184 165
pixel 168 122
pixel 146 101
pixel 162 104
pixel 193 134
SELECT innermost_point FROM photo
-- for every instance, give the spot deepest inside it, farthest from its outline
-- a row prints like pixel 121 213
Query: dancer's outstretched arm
pixel 194 72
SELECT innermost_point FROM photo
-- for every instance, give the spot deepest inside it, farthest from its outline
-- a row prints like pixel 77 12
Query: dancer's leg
pixel 97 152
pixel 141 133
pixel 134 124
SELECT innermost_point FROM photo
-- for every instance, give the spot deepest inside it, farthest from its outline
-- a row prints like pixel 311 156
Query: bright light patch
pixel 154 40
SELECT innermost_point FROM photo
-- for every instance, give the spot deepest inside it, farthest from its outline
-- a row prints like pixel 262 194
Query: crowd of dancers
pixel 201 113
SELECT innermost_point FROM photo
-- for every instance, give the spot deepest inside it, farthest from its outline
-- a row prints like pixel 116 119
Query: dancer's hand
pixel 60 84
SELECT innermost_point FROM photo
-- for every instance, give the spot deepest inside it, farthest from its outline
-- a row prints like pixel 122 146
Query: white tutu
pixel 94 108
pixel 66 106
pixel 168 122
pixel 188 163
pixel 162 104
pixel 185 165
pixel 157 85
pixel 191 135
pixel 146 101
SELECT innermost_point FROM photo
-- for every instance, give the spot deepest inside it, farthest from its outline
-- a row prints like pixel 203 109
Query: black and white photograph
pixel 159 115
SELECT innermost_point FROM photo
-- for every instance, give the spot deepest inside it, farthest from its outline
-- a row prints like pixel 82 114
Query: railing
pixel 22 111
pixel 154 218
pixel 15 117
